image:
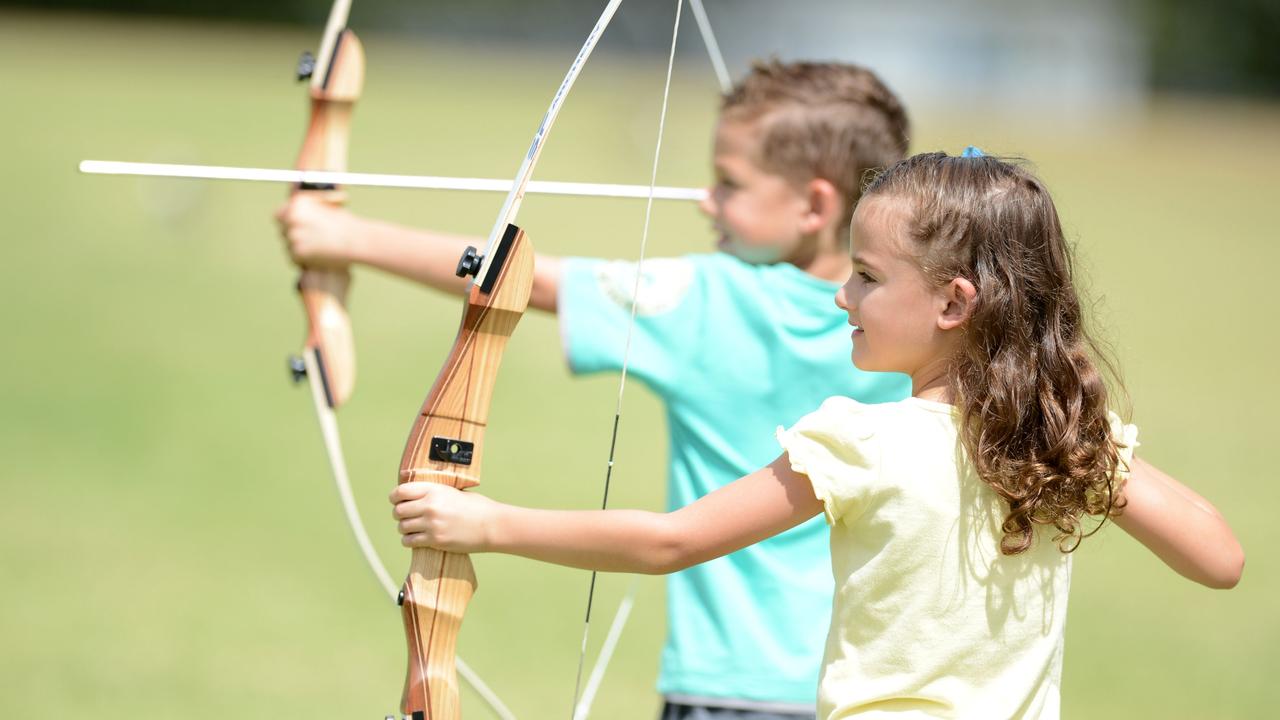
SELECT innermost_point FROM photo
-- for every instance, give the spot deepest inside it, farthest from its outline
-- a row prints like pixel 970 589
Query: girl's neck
pixel 932 383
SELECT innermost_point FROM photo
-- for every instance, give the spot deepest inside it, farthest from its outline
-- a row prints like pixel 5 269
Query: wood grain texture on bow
pixel 337 77
pixel 446 446
pixel 446 443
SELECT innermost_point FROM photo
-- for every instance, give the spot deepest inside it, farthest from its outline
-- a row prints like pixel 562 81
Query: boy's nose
pixel 708 204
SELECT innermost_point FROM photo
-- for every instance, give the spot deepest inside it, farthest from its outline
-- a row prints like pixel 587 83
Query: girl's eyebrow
pixel 858 259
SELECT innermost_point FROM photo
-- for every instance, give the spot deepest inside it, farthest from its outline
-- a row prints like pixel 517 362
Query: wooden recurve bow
pixel 446 443
pixel 336 75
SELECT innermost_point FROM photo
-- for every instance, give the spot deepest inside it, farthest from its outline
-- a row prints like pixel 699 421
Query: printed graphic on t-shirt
pixel 663 283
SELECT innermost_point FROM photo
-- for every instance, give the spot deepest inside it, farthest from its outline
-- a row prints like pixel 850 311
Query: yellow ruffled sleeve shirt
pixel 929 619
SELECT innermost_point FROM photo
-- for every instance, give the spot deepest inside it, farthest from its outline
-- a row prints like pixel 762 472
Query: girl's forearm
pixel 758 506
pixel 1183 529
pixel 631 541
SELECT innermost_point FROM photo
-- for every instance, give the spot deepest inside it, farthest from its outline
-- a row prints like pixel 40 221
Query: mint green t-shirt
pixel 733 350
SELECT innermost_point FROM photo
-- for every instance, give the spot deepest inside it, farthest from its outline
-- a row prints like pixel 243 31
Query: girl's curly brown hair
pixel 1028 379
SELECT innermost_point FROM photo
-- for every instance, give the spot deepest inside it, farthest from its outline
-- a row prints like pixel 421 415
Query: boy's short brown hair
pixel 832 121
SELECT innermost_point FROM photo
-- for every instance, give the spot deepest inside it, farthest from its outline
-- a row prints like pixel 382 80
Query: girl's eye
pixel 865 277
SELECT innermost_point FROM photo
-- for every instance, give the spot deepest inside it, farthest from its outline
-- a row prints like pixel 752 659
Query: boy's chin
pixel 750 254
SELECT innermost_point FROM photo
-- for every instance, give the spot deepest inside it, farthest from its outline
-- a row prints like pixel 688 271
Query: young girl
pixel 952 513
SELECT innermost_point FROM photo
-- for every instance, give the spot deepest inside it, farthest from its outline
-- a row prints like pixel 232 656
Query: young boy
pixel 792 145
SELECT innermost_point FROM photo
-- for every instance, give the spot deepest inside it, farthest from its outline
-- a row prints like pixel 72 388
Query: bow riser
pixel 446 446
pixel 325 148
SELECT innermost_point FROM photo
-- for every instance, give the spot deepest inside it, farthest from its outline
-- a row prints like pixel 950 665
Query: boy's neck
pixel 830 266
pixel 824 257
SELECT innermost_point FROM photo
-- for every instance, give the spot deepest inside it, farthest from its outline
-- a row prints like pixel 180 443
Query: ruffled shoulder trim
pixel 1126 439
pixel 835 447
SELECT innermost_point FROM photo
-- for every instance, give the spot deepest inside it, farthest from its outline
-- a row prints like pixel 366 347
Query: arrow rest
pixel 306 65
pixel 469 263
pixel 297 368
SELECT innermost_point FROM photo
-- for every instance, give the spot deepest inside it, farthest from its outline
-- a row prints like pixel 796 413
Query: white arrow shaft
pixel 423 182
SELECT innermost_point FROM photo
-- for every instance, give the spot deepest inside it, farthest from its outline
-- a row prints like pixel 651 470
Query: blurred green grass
pixel 173 544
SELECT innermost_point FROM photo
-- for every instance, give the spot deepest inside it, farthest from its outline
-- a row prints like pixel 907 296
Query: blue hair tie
pixel 972 152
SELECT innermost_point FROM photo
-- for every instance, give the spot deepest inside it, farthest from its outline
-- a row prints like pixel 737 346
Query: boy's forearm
pixel 631 541
pixel 420 255
pixel 431 258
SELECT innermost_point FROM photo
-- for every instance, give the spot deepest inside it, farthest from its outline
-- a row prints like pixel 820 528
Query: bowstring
pixel 580 712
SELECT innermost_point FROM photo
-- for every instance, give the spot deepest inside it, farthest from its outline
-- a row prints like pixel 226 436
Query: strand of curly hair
pixel 1028 379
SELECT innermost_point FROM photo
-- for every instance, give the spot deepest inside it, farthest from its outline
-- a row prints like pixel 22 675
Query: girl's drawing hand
pixel 438 516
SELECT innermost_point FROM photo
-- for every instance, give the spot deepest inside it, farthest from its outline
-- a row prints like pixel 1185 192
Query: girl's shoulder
pixel 838 447
pixel 839 411
pixel 868 417
pixel 841 423
pixel 866 430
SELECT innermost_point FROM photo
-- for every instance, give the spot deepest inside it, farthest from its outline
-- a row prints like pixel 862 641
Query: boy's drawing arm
pixel 318 234
pixel 1183 529
pixel 753 508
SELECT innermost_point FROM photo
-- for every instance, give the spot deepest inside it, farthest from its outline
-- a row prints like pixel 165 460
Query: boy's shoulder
pixel 661 284
pixel 691 267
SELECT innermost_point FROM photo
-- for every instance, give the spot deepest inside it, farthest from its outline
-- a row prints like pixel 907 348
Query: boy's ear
pixel 960 298
pixel 825 205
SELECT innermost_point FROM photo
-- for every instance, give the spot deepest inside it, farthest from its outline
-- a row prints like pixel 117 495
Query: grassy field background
pixel 172 543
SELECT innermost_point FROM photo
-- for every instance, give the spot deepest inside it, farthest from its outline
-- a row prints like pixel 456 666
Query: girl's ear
pixel 961 297
pixel 825 205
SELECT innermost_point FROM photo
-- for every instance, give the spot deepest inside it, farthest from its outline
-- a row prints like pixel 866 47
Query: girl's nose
pixel 842 299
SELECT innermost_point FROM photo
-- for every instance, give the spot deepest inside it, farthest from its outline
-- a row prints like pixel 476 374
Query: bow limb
pixel 337 77
pixel 713 47
pixel 446 443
